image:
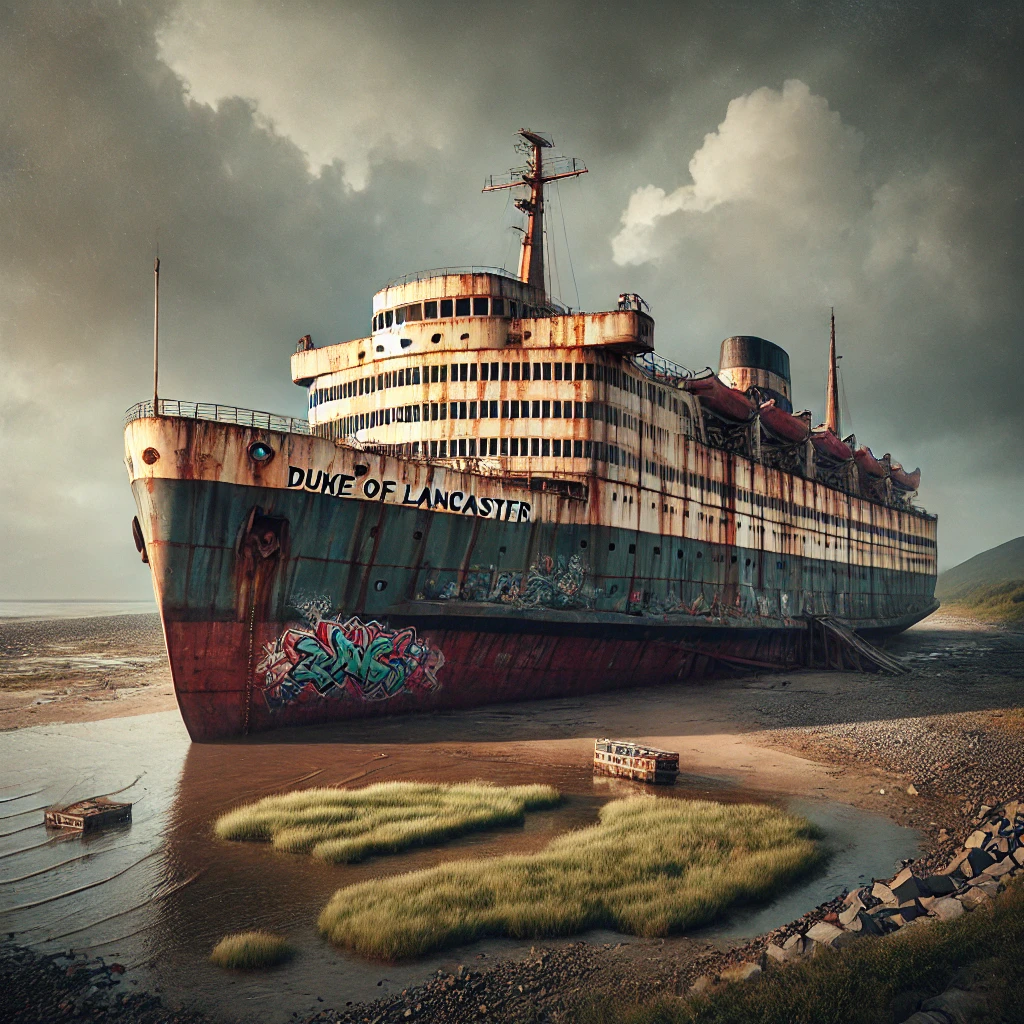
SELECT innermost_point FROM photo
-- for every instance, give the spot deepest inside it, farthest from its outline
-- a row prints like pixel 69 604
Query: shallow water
pixel 46 610
pixel 174 889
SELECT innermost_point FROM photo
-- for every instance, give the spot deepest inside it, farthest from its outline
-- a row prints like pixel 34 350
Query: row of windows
pixel 445 309
pixel 497 370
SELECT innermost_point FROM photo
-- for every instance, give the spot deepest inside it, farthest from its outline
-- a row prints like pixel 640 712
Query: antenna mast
pixel 531 259
pixel 832 397
pixel 156 333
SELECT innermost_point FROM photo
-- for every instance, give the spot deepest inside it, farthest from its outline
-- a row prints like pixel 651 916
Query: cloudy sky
pixel 752 164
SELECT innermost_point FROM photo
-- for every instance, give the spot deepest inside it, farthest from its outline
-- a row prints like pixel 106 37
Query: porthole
pixel 361 470
pixel 679 553
pixel 435 338
pixel 406 342
pixel 657 551
pixel 613 589
pixel 699 555
pixel 501 550
pixel 417 535
pixel 380 585
pixel 632 549
pixel 362 355
pixel 611 547
pixel 583 543
pixel 149 456
pixel 463 337
pixel 380 348
pixel 260 452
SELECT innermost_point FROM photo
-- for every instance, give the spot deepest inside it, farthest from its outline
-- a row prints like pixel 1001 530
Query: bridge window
pixel 462 307
pixel 388 318
pixel 480 307
pixel 446 307
pixel 497 307
pixel 430 310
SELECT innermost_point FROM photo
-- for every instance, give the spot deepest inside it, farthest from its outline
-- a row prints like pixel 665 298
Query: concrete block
pixel 911 909
pixel 824 933
pixel 999 869
pixel 947 908
pixel 779 954
pixel 905 886
pixel 851 911
pixel 939 885
pixel 976 840
pixel 977 860
pixel 882 892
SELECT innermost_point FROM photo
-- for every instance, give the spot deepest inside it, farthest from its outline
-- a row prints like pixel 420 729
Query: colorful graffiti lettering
pixel 556 583
pixel 350 660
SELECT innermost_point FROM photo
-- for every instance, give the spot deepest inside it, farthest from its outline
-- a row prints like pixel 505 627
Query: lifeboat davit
pixel 903 480
pixel 784 425
pixel 827 443
pixel 720 398
pixel 867 463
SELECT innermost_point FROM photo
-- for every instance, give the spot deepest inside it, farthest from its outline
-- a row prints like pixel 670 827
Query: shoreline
pixel 948 732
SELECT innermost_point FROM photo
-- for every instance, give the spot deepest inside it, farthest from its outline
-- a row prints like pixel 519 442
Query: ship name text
pixel 342 485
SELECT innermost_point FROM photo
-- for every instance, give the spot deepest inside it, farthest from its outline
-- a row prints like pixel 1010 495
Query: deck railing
pixel 218 414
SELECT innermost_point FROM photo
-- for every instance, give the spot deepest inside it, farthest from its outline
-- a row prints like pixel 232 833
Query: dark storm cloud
pixel 207 126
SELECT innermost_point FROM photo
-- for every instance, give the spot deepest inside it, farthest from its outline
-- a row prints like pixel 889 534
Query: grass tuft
pixel 649 867
pixel 349 825
pixel 248 951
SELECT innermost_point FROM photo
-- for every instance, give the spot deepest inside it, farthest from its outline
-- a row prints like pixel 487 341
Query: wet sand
pixel 808 740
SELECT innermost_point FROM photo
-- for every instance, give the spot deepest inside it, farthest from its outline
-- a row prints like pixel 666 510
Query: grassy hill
pixel 988 586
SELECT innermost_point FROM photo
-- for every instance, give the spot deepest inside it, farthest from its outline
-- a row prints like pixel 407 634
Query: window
pixel 536 408
pixel 462 307
pixel 480 307
pixel 430 310
pixel 579 371
pixel 472 371
pixel 513 308
pixel 433 374
pixel 400 315
pixel 414 312
pixel 515 371
pixel 558 371
pixel 472 410
pixel 545 446
pixel 535 446
pixel 497 308
pixel 446 307
pixel 435 338
pixel 494 409
pixel 547 371
pixel 388 318
pixel 556 409
pixel 406 342
pixel 545 409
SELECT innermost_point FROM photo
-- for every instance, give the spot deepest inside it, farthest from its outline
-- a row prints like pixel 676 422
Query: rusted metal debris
pixel 834 645
pixel 90 815
pixel 635 761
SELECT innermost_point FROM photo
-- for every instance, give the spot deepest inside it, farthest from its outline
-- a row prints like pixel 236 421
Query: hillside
pixel 989 586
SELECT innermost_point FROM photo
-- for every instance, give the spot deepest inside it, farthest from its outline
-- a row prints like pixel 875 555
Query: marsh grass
pixel 348 825
pixel 251 950
pixel 874 981
pixel 649 867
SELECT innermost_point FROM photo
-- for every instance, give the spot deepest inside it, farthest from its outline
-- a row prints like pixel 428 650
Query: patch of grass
pixel 874 981
pixel 996 602
pixel 649 867
pixel 248 951
pixel 348 825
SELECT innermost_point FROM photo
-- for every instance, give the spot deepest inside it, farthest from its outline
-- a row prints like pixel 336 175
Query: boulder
pixel 882 892
pixel 1001 868
pixel 742 972
pixel 905 886
pixel 939 885
pixel 911 909
pixel 947 908
pixel 779 954
pixel 851 911
pixel 974 897
pixel 976 860
pixel 824 933
pixel 976 840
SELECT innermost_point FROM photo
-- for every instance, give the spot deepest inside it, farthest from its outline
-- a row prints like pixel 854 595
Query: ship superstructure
pixel 497 497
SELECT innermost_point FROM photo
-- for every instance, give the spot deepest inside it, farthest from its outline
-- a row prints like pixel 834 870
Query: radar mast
pixel 533 176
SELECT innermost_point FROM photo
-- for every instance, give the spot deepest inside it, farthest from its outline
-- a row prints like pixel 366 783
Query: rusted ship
pixel 630 760
pixel 495 497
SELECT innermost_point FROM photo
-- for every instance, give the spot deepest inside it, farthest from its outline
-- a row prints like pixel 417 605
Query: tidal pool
pixel 158 894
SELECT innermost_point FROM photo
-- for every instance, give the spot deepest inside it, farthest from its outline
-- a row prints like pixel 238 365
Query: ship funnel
pixel 749 362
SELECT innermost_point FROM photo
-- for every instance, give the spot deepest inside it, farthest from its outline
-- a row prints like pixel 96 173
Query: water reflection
pixel 174 889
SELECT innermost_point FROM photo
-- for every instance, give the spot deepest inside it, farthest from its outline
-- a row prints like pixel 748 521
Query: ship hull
pixel 289 606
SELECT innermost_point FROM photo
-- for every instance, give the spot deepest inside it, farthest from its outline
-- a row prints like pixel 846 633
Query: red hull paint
pixel 211 662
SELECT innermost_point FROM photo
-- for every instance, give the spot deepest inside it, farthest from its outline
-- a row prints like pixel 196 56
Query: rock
pixel 851 912
pixel 910 910
pixel 742 972
pixel 882 892
pixel 977 861
pixel 778 954
pixel 939 885
pixel 906 887
pixel 947 908
pixel 974 898
pixel 797 945
pixel 976 840
pixel 999 869
pixel 830 935
pixel 864 924
pixel 912 790
pixel 703 984
pixel 957 1004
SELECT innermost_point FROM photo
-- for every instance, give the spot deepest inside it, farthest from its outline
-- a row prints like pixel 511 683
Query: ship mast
pixel 832 397
pixel 531 259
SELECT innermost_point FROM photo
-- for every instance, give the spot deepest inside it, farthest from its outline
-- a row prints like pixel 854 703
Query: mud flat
pixel 825 744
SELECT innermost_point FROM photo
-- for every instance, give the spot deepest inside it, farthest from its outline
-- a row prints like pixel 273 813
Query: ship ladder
pixel 840 647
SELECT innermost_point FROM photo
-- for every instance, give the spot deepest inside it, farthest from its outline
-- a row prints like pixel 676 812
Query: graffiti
pixel 353 660
pixel 556 583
